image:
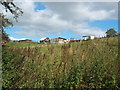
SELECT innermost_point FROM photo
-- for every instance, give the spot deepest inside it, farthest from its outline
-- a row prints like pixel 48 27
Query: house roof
pixel 43 38
pixel 25 40
pixel 85 36
pixel 61 38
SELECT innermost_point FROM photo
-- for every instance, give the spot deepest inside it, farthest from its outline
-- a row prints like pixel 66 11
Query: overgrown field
pixel 21 44
pixel 86 64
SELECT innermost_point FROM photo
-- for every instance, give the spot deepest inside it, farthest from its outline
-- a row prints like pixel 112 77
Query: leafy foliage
pixel 111 32
pixel 87 64
pixel 5 36
pixel 5 22
pixel 9 5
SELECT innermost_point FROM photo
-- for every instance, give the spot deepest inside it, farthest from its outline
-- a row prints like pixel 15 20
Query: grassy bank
pixel 21 44
pixel 88 64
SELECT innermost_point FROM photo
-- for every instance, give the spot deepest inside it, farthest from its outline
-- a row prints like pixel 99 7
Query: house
pixel 74 41
pixel 45 40
pixel 26 40
pixel 88 37
pixel 85 37
pixel 15 40
pixel 59 40
pixel 92 37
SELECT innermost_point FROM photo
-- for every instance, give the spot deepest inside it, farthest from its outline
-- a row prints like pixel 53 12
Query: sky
pixel 63 19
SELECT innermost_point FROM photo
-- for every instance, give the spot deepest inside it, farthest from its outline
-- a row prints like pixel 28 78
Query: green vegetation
pixel 10 6
pixel 5 36
pixel 6 22
pixel 21 44
pixel 111 32
pixel 87 64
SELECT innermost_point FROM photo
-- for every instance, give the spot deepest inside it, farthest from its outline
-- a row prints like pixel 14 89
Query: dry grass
pixel 88 64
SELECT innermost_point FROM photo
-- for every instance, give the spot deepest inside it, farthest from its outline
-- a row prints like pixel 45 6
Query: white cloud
pixel 58 17
pixel 12 38
pixel 40 23
pixel 84 10
pixel 84 29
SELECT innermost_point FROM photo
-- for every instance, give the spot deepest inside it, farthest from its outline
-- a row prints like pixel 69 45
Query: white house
pixel 92 37
pixel 85 37
pixel 45 40
pixel 58 40
pixel 88 37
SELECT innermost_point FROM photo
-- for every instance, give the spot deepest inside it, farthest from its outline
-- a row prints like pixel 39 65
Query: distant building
pixel 74 41
pixel 14 40
pixel 85 37
pixel 92 37
pixel 88 37
pixel 26 40
pixel 45 40
pixel 59 40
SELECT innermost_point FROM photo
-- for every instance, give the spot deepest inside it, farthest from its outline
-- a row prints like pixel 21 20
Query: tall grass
pixel 21 44
pixel 88 64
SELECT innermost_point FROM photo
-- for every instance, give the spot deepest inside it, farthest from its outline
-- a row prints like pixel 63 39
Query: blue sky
pixel 39 6
pixel 51 20
pixel 104 25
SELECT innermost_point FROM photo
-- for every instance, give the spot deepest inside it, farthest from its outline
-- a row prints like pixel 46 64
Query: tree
pixel 5 22
pixel 9 5
pixel 5 37
pixel 111 32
